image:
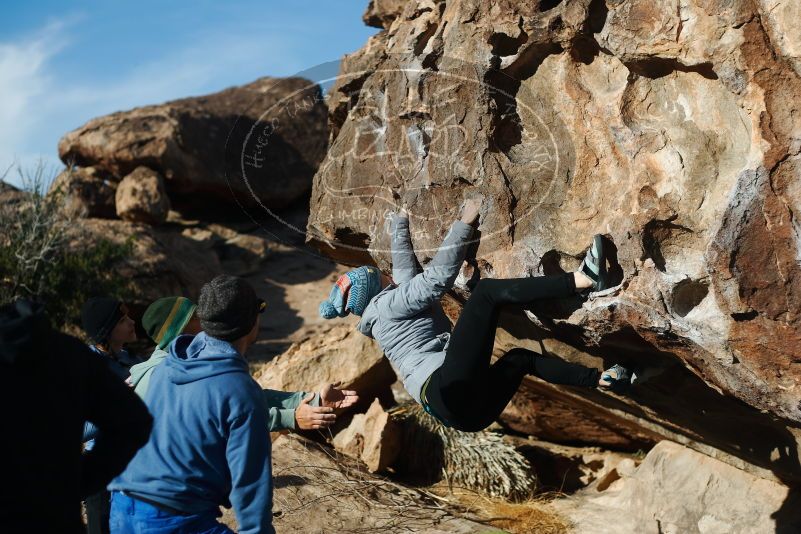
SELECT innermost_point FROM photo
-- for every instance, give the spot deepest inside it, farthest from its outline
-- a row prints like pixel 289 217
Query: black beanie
pixel 99 316
pixel 227 307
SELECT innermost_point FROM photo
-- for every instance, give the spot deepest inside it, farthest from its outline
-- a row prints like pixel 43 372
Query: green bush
pixel 38 261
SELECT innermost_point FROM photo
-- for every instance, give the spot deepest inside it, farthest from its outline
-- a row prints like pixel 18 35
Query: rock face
pixel 141 197
pixel 674 129
pixel 338 354
pixel 88 191
pixel 381 13
pixel 259 143
pixel 676 490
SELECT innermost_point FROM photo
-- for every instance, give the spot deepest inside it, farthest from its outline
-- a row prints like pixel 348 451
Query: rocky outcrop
pixel 141 197
pixel 88 192
pixel 255 144
pixel 671 128
pixel 381 13
pixel 336 354
pixel 677 490
pixel 372 437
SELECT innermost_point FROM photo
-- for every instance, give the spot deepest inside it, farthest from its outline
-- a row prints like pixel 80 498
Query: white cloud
pixel 23 81
pixel 36 108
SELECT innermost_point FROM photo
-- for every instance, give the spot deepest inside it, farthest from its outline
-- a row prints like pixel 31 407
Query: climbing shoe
pixel 594 266
pixel 617 378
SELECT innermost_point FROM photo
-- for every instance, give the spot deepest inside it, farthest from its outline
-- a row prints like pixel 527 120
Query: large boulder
pixel 141 197
pixel 258 143
pixel 674 130
pixel 677 490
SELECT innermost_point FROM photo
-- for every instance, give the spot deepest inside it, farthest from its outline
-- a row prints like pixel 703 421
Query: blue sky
pixel 63 63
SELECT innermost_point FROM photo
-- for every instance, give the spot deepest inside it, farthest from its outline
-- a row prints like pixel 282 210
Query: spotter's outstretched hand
pixel 333 397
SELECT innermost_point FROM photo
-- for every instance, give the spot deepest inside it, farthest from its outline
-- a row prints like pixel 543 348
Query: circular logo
pixel 401 137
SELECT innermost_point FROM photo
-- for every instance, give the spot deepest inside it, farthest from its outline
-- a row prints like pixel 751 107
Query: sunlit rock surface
pixel 671 127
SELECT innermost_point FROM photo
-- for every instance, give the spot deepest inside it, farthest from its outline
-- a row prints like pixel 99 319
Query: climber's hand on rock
pixel 471 210
pixel 398 201
pixel 308 417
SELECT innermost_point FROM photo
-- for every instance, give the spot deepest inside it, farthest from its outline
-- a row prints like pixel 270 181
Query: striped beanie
pixel 166 318
pixel 351 293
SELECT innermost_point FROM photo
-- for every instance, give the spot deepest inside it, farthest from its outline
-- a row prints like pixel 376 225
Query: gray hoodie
pixel 406 318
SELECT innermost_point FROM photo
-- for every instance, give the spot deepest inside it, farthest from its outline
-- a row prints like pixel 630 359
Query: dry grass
pixel 533 516
pixel 319 490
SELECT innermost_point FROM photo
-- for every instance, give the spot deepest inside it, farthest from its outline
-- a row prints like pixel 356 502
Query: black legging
pixel 469 393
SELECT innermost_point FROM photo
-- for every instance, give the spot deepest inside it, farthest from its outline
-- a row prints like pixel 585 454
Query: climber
pixel 449 373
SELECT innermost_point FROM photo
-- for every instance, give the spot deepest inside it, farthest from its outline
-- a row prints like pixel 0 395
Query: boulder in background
pixel 88 192
pixel 141 197
pixel 273 128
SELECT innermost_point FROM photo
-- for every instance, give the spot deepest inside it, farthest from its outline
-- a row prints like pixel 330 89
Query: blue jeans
pixel 130 516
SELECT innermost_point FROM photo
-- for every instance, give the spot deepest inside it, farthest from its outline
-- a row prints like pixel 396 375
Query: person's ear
pixel 254 332
pixel 193 327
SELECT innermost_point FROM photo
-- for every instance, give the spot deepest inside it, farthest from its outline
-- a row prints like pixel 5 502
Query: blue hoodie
pixel 210 445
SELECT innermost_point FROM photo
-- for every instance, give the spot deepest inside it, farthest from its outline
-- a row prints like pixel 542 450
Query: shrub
pixel 44 256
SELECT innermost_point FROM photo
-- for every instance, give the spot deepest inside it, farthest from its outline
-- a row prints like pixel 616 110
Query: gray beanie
pixel 227 307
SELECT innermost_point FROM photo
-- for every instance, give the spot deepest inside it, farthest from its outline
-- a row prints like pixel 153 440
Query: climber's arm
pixel 404 262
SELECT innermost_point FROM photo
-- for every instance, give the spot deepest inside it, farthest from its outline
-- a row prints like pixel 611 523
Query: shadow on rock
pixel 788 517
pixel 293 282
